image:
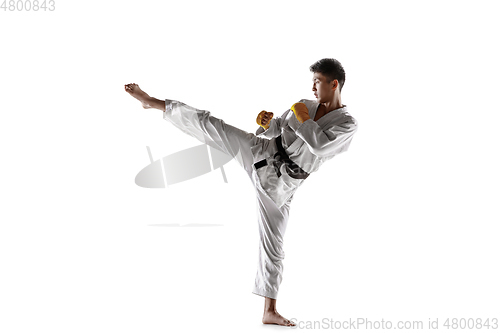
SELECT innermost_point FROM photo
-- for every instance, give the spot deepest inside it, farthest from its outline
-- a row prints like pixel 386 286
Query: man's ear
pixel 335 84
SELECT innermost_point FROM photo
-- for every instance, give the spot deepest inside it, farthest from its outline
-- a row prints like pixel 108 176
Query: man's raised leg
pixel 147 101
pixel 201 125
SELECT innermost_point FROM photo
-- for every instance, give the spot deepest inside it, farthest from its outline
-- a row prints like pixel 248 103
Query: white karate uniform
pixel 275 179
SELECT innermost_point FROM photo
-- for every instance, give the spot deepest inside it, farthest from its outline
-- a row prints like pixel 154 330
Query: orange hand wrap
pixel 301 112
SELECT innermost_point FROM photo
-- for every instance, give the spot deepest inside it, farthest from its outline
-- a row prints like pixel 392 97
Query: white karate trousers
pixel 236 143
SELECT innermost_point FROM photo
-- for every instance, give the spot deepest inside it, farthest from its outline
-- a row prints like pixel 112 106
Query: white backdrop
pixel 401 227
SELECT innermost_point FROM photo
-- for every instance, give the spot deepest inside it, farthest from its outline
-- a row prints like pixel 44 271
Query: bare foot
pixel 273 317
pixel 136 92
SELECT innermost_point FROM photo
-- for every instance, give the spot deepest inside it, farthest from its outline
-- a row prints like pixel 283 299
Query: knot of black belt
pixel 281 157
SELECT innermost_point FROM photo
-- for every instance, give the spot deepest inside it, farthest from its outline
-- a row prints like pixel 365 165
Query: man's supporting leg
pixel 271 316
pixel 272 226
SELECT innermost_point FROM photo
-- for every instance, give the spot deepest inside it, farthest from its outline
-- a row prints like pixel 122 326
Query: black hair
pixel 331 69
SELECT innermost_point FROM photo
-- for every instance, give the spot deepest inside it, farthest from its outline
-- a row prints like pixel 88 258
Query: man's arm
pixel 331 141
pixel 274 128
pixel 272 131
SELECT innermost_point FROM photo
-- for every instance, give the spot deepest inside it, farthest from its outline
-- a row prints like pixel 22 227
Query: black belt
pixel 281 157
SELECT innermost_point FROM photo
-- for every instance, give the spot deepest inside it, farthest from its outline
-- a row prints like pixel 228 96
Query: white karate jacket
pixel 308 144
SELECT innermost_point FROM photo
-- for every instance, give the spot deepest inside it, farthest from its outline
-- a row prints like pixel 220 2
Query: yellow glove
pixel 264 119
pixel 301 112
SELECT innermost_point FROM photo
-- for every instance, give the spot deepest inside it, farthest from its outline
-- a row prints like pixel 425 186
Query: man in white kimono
pixel 277 158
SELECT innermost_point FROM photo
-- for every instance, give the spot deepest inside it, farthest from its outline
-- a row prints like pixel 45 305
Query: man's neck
pixel 332 105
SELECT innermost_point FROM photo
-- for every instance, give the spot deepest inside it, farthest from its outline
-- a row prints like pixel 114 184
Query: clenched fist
pixel 264 119
pixel 301 112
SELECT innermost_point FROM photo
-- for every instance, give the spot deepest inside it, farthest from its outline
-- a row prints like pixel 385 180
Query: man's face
pixel 322 90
